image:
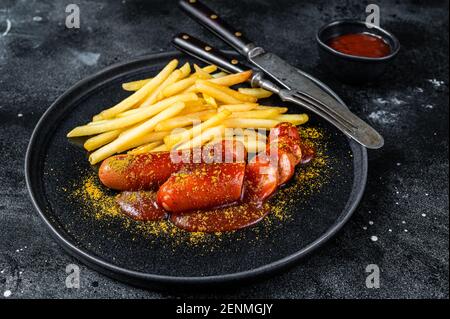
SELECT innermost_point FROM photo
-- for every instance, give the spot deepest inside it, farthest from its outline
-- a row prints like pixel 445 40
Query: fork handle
pixel 211 20
pixel 206 53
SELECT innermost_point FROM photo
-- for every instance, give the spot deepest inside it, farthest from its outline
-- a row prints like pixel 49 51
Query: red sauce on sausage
pixel 226 219
pixel 361 44
pixel 201 187
pixel 261 181
pixel 308 153
pixel 141 206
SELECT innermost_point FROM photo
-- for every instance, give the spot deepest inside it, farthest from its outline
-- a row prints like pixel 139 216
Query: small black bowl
pixel 349 68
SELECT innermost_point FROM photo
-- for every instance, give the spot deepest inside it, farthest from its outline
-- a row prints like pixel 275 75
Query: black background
pixel 40 59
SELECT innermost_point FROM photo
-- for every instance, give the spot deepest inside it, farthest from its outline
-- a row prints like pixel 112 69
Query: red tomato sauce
pixel 141 206
pixel 361 44
pixel 243 197
pixel 224 219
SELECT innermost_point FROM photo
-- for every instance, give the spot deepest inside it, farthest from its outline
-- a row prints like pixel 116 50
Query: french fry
pixel 232 79
pixel 122 143
pixel 135 85
pixel 281 110
pixel 252 145
pixel 97 122
pixel 230 92
pixel 188 98
pixel 202 74
pixel 99 140
pixel 148 138
pixel 209 100
pixel 140 94
pixel 210 68
pixel 185 120
pixel 252 133
pixel 294 119
pixel 195 103
pixel 161 148
pixel 97 117
pixel 219 75
pixel 238 107
pixel 176 75
pixel 145 148
pixel 256 92
pixel 120 115
pixel 109 125
pixel 219 95
pixel 206 136
pixel 178 109
pixel 139 115
pixel 196 108
pixel 179 86
pixel 184 85
pixel 144 132
pixel 185 70
pixel 216 120
pixel 256 114
pixel 251 123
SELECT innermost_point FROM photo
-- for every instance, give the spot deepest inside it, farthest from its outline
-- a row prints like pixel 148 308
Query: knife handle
pixel 206 53
pixel 214 23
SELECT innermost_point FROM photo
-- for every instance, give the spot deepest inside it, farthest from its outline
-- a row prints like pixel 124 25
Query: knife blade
pixel 298 86
pixel 289 76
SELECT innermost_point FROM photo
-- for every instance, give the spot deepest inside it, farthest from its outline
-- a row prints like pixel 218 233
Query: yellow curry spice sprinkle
pixel 307 180
pixel 100 203
pixel 95 199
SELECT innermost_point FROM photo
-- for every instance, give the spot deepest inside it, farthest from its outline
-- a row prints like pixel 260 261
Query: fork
pixel 206 53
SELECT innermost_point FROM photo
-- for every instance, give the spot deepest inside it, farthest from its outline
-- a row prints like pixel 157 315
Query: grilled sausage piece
pixel 287 137
pixel 261 179
pixel 221 220
pixel 308 153
pixel 140 205
pixel 137 172
pixel 282 156
pixel 149 171
pixel 202 186
pixel 284 130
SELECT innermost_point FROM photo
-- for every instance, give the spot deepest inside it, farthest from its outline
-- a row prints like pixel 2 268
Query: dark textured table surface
pixel 406 202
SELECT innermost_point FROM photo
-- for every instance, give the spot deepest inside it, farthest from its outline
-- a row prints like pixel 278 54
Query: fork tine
pixel 318 104
pixel 316 108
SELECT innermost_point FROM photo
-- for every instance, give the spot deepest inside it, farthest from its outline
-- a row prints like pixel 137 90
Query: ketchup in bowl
pixel 361 44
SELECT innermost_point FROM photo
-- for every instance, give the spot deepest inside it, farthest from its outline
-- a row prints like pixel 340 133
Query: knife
pixel 296 86
pixel 206 53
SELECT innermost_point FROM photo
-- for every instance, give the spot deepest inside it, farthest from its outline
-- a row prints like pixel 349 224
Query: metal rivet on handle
pixel 185 36
pixel 208 48
pixel 213 16
pixel 238 34
pixel 234 61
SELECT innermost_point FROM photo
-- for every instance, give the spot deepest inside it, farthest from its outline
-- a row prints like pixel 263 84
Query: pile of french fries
pixel 183 108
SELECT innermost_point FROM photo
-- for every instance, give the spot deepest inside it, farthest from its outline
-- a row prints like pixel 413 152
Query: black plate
pixel 53 166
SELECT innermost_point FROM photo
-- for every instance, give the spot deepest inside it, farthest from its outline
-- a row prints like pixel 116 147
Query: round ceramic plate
pixel 126 250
